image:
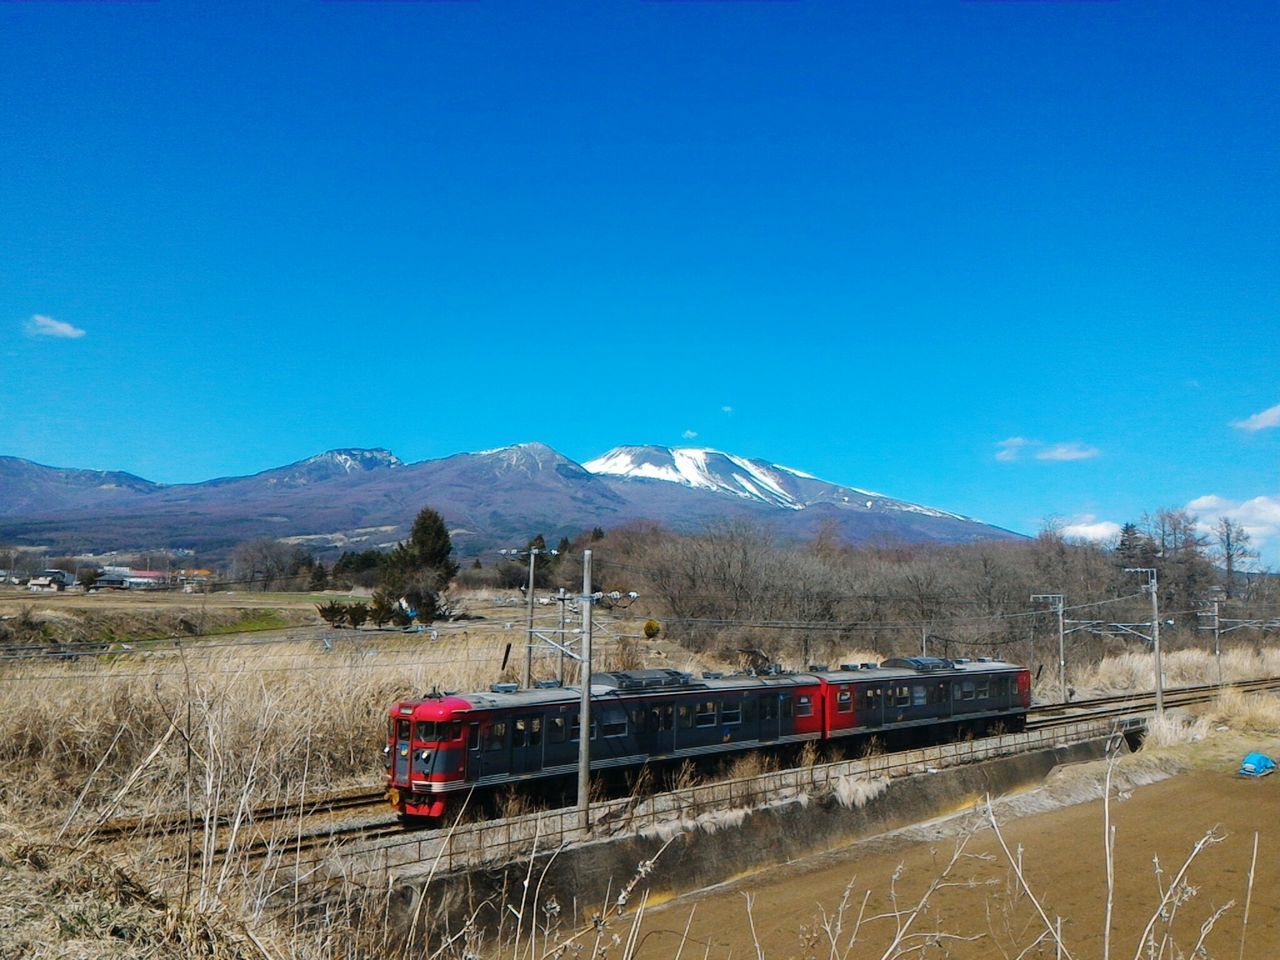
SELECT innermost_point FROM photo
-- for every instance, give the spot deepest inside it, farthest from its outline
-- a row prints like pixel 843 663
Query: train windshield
pixel 430 730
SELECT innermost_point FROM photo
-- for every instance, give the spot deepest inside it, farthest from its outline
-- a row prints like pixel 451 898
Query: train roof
pixel 625 684
pixel 897 668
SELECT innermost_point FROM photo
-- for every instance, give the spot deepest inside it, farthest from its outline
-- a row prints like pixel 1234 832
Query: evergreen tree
pixel 319 578
pixel 430 545
pixel 382 609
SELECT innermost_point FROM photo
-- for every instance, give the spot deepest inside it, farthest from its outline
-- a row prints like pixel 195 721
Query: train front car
pixel 425 754
pixel 908 701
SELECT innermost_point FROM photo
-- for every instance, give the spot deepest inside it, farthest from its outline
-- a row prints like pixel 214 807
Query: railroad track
pixel 1060 714
pixel 258 845
pixel 176 822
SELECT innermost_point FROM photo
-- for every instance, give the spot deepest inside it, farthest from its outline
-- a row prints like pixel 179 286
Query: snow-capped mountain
pixel 493 498
pixel 745 477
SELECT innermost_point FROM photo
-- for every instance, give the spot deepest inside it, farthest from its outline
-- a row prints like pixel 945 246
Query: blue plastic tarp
pixel 1257 765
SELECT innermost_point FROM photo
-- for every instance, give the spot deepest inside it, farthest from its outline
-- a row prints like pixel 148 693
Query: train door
pixel 403 751
pixel 660 728
pixel 871 708
pixel 474 766
pixel 769 716
pixel 495 747
pixel 526 744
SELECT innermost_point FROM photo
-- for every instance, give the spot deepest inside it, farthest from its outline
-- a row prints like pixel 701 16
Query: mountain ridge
pixel 351 495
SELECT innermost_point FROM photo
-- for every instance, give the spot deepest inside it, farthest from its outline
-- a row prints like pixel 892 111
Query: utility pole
pixel 1216 627
pixel 1057 600
pixel 1217 638
pixel 562 598
pixel 1151 586
pixel 584 705
pixel 528 644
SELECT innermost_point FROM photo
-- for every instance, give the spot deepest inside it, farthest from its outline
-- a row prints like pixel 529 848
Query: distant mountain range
pixel 356 499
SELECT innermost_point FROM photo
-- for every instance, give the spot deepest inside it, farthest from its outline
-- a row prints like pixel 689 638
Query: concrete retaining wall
pixel 716 849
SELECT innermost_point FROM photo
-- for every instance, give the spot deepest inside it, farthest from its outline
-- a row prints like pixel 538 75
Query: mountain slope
pixel 747 478
pixel 353 498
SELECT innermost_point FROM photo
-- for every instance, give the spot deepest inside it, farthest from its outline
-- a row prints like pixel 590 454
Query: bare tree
pixel 1232 548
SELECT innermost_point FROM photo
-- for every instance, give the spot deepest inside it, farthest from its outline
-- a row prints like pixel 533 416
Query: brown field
pixel 982 911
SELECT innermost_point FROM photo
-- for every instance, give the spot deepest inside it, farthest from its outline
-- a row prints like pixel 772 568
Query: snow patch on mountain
pixel 354 459
pixel 745 477
pixel 700 468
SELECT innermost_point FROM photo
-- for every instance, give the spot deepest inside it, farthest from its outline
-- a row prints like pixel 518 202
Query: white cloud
pixel 726 409
pixel 41 326
pixel 1264 420
pixel 1068 451
pixel 1260 517
pixel 1089 527
pixel 1008 450
pixel 1013 448
pixel 689 434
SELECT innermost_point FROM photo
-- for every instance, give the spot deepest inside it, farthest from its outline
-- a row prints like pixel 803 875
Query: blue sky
pixel 1013 259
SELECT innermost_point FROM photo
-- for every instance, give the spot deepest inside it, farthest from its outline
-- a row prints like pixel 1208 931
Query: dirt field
pixel 984 913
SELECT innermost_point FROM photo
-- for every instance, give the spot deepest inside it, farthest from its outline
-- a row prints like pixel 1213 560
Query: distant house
pixel 51 581
pixel 147 579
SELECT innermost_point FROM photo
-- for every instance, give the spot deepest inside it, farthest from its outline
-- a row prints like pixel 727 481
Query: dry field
pixel 229 722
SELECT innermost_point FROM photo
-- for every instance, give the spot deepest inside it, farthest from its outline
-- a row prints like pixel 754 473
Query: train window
pixel 901 696
pixel 527 732
pixel 768 707
pixel 804 706
pixel 615 724
pixel 731 711
pixel 426 730
pixel 556 729
pixel 982 689
pixel 662 717
pixel 788 707
pixel 686 717
pixel 639 719
pixel 450 731
pixel 919 696
pixel 844 700
pixel 706 716
pixel 473 736
pixel 402 730
pixel 964 690
pixel 574 725
pixel 496 738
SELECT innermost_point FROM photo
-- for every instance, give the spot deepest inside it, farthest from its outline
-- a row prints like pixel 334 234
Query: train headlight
pixel 386 756
pixel 423 757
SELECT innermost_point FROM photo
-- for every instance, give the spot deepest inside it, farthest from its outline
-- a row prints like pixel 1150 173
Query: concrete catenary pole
pixel 1217 637
pixel 528 644
pixel 562 599
pixel 1152 585
pixel 584 706
pixel 1057 600
pixel 1155 642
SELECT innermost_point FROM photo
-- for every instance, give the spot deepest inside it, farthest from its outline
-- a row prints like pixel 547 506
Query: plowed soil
pixel 984 914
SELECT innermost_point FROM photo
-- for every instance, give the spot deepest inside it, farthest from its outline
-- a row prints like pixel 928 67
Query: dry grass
pixel 1253 713
pixel 76 906
pixel 1173 729
pixel 1132 672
